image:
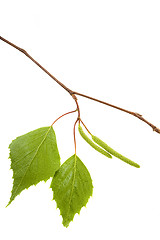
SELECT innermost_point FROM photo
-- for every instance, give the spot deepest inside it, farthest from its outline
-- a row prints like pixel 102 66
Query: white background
pixel 106 49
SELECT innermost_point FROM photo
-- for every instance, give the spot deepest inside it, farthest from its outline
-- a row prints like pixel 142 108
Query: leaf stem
pixel 73 93
pixel 74 134
pixel 63 116
pixel 85 127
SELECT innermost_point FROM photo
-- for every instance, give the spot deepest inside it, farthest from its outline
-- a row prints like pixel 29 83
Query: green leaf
pixel 113 152
pixel 34 157
pixel 72 187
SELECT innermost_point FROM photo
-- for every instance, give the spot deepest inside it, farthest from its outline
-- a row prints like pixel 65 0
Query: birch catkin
pixel 113 152
pixel 91 143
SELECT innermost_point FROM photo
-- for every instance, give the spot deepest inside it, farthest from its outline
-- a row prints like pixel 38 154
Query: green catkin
pixel 113 152
pixel 92 144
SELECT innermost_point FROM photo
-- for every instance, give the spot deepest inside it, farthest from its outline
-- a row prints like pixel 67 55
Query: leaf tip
pixel 9 203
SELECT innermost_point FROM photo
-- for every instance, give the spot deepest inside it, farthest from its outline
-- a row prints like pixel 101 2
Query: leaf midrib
pixel 33 158
pixel 74 175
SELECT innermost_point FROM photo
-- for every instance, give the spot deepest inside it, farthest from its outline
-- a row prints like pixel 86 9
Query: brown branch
pixel 33 60
pixel 121 109
pixel 73 93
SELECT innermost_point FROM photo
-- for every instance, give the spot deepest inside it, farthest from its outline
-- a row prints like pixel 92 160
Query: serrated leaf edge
pixel 30 165
pixel 74 174
pixel 57 205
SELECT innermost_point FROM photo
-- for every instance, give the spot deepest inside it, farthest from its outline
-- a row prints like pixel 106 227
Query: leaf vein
pixel 33 158
pixel 72 189
pixel 13 164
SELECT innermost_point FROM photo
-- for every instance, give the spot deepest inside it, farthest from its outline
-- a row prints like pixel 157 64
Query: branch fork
pixel 74 93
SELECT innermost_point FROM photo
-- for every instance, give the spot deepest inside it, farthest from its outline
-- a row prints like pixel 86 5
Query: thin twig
pixel 33 60
pixel 73 93
pixel 121 109
pixel 78 109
